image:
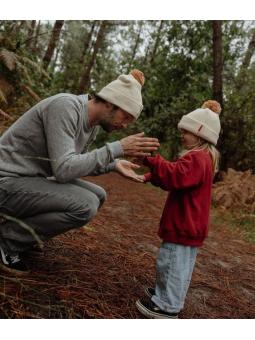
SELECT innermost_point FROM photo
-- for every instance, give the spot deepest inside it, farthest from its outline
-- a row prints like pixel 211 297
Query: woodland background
pixel 184 62
pixel 100 270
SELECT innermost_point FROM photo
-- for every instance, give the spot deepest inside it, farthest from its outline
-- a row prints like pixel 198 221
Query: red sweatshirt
pixel 185 216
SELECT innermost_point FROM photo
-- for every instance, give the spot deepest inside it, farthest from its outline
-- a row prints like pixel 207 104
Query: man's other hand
pixel 126 169
pixel 139 146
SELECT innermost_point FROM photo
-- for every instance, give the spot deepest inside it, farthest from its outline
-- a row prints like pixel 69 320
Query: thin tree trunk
pixel 55 58
pixel 87 43
pixel 137 41
pixel 85 79
pixel 241 77
pixel 146 54
pixel 217 61
pixel 157 41
pixel 37 32
pixel 55 34
pixel 30 34
pixel 217 81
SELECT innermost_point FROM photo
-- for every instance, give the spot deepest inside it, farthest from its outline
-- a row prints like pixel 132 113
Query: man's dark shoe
pixel 151 311
pixel 12 263
pixel 149 291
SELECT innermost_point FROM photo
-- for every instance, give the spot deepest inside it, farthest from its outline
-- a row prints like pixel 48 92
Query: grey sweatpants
pixel 175 264
pixel 48 207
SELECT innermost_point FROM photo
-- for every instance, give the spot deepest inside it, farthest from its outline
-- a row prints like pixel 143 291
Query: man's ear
pixel 109 106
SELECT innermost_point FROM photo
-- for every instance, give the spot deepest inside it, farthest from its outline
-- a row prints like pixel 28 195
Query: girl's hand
pixel 138 160
pixel 126 169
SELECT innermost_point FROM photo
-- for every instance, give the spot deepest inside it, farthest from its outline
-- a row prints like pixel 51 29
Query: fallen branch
pixel 5 115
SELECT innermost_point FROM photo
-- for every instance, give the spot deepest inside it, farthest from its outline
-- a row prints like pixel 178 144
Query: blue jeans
pixel 175 264
pixel 48 207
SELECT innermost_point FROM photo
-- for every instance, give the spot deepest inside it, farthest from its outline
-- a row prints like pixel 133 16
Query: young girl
pixel 184 222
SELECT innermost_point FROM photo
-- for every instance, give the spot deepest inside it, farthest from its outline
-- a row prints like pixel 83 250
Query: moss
pixel 239 222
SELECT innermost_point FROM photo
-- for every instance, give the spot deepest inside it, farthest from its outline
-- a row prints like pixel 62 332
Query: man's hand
pixel 138 145
pixel 126 169
pixel 141 178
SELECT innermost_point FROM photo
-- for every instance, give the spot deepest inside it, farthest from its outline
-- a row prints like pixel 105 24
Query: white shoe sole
pixel 151 315
pixel 146 291
pixel 13 271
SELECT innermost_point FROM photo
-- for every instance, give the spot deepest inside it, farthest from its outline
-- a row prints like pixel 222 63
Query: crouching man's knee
pixel 102 196
pixel 86 212
pixel 92 208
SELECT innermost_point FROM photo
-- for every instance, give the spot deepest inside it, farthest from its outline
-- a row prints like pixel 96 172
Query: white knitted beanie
pixel 125 92
pixel 203 122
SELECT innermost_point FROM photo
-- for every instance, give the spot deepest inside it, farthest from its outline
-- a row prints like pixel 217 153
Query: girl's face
pixel 189 140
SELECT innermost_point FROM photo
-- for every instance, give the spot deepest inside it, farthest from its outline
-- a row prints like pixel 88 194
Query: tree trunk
pixel 55 34
pixel 137 41
pixel 146 54
pixel 217 81
pixel 241 77
pixel 85 79
pixel 37 32
pixel 217 61
pixel 54 63
pixel 157 41
pixel 30 34
pixel 87 43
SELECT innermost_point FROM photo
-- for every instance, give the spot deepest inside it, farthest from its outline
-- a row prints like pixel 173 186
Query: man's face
pixel 115 120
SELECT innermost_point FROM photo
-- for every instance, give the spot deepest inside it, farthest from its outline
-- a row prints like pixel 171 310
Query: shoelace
pixel 14 258
pixel 7 259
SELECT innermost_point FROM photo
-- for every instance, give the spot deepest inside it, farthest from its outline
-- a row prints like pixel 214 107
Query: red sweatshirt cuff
pixel 148 161
pixel 148 177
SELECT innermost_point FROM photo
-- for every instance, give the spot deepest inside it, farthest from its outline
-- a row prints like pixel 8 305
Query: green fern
pixel 23 71
pixel 2 97
pixel 23 67
pixel 35 66
pixel 29 91
pixel 5 115
pixel 9 59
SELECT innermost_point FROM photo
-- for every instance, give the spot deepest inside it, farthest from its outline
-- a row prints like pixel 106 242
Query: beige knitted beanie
pixel 125 92
pixel 203 122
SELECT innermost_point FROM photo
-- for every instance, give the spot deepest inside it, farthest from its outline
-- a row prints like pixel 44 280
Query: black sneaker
pixel 151 311
pixel 149 291
pixel 12 263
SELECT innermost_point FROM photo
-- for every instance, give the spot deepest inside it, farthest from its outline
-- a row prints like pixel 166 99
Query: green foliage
pixel 178 80
pixel 175 56
pixel 20 71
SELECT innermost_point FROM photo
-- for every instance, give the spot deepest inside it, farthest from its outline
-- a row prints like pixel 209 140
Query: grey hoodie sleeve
pixel 60 121
pixel 105 170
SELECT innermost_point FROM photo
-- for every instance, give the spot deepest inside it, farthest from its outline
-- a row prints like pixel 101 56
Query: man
pixel 45 152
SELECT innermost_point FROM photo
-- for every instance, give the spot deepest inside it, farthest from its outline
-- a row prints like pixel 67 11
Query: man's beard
pixel 106 123
pixel 106 126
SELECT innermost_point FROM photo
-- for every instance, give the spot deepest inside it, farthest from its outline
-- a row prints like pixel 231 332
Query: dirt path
pixel 100 271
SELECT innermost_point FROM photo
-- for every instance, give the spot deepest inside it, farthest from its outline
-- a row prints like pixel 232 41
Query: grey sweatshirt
pixel 52 139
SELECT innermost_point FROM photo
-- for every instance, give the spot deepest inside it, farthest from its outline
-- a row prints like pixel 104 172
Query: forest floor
pixel 99 271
